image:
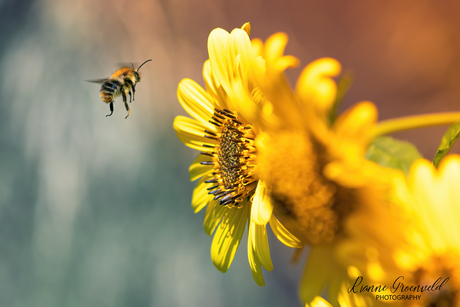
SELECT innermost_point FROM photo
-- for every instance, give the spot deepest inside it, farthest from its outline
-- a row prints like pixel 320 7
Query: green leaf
pixel 388 152
pixel 343 86
pixel 448 140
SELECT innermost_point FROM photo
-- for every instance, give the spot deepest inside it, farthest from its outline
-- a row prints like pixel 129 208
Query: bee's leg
pixel 134 90
pixel 111 109
pixel 132 86
pixel 126 103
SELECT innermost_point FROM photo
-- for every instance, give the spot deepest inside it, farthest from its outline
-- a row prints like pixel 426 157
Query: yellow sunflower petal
pixel 275 45
pixel 283 234
pixel 318 301
pixel 254 263
pixel 256 269
pixel 247 27
pixel 257 47
pixel 195 100
pixel 200 197
pixel 217 44
pixel 357 122
pixel 318 272
pixel 315 86
pixel 238 80
pixel 262 207
pixel 197 170
pixel 347 299
pixel 227 238
pixel 424 181
pixel 274 53
pixel 213 86
pixel 258 233
pixel 238 46
pixel 279 105
pixel 240 100
pixel 191 132
pixel 213 216
pixel 450 170
pixel 345 175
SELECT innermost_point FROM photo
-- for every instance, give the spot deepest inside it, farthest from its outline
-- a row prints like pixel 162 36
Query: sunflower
pixel 418 239
pixel 227 165
pixel 315 172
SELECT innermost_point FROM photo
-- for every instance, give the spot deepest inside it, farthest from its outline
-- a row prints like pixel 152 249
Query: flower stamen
pixel 233 159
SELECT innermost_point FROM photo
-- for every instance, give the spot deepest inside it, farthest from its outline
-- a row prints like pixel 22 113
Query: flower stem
pixel 414 122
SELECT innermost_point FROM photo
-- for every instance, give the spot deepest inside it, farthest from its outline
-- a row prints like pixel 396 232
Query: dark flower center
pixel 233 159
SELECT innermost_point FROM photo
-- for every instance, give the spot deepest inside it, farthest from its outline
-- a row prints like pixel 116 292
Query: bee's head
pixel 136 74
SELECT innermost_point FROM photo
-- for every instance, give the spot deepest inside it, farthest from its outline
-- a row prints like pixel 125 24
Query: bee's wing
pixel 98 80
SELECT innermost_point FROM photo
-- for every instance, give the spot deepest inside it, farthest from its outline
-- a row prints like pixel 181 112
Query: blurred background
pixel 95 211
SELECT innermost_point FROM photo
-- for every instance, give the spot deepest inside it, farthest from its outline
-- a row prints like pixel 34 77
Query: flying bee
pixel 121 82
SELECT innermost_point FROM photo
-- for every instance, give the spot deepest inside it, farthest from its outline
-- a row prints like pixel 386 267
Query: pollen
pixel 233 159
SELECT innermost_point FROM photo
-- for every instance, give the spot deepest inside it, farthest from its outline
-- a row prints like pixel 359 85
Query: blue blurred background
pixel 95 211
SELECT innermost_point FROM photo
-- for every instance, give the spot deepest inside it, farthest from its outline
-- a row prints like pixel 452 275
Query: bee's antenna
pixel 132 65
pixel 143 64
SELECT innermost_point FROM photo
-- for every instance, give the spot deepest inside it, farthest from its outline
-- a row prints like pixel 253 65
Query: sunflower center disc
pixel 233 159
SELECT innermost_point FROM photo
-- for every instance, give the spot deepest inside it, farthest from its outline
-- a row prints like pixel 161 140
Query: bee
pixel 121 82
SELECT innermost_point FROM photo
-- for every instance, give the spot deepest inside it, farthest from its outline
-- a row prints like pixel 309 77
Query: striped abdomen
pixel 110 89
